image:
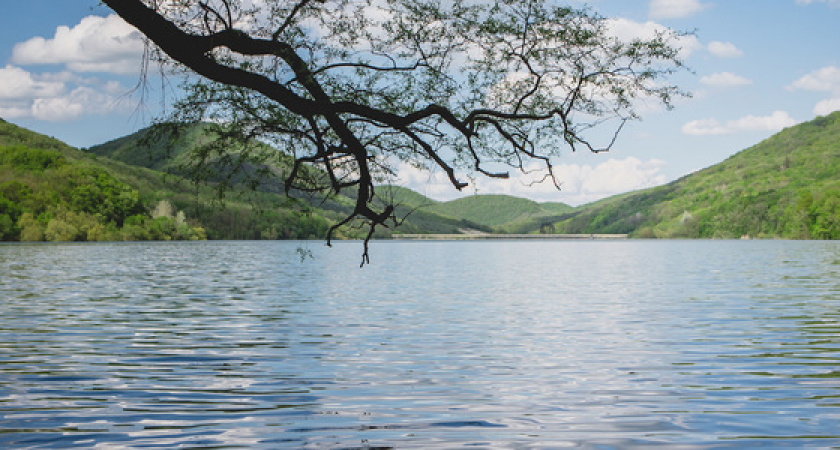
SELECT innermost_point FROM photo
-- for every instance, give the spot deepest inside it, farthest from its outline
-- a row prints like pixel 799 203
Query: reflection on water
pixel 689 344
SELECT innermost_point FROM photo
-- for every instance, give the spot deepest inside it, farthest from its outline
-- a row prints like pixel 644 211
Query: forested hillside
pixel 49 191
pixel 787 186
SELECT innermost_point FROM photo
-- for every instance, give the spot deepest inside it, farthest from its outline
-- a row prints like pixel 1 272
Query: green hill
pixel 486 213
pixel 11 134
pixel 144 150
pixel 497 211
pixel 199 152
pixel 51 191
pixel 787 186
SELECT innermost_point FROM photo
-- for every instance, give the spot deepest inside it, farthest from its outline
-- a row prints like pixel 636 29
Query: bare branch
pixel 289 19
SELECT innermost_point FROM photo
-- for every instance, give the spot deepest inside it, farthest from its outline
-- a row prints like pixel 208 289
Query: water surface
pixel 508 344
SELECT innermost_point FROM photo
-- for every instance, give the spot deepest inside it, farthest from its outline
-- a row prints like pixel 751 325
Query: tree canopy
pixel 353 88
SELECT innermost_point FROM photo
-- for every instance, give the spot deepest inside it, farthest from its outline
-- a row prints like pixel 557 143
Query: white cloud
pixel 705 127
pixel 13 111
pixel 725 79
pixel 774 122
pixel 56 109
pixel 96 44
pixel 583 184
pixel 825 79
pixel 579 184
pixel 675 9
pixel 82 100
pixel 56 96
pixel 827 107
pixel 627 30
pixel 16 83
pixel 724 50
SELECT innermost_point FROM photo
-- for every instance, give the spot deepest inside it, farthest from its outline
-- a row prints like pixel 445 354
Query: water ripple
pixel 685 344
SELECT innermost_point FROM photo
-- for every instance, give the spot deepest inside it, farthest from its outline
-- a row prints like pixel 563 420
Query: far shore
pixel 482 236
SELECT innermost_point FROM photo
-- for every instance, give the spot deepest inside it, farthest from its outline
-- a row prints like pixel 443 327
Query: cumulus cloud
pixel 724 50
pixel 584 183
pixel 706 127
pixel 774 122
pixel 627 30
pixel 579 184
pixel 79 101
pixel 96 44
pixel 675 9
pixel 16 83
pixel 105 45
pixel 12 111
pixel 827 107
pixel 825 79
pixel 725 79
pixel 57 96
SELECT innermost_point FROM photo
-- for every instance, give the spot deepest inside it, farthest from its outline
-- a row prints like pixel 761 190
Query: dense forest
pixel 46 196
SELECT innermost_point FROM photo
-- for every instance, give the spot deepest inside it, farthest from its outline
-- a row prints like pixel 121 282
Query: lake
pixel 492 344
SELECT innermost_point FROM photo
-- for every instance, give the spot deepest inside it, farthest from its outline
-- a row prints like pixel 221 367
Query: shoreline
pixel 487 236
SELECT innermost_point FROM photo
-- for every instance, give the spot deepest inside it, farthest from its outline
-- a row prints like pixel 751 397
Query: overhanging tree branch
pixel 352 87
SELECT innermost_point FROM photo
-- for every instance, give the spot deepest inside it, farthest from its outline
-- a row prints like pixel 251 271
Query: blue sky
pixel 757 66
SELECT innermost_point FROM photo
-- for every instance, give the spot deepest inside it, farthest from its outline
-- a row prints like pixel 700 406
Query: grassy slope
pixel 786 186
pixel 138 149
pixel 496 211
pixel 11 134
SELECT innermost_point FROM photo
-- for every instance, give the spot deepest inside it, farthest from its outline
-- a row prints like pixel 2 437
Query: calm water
pixel 683 344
